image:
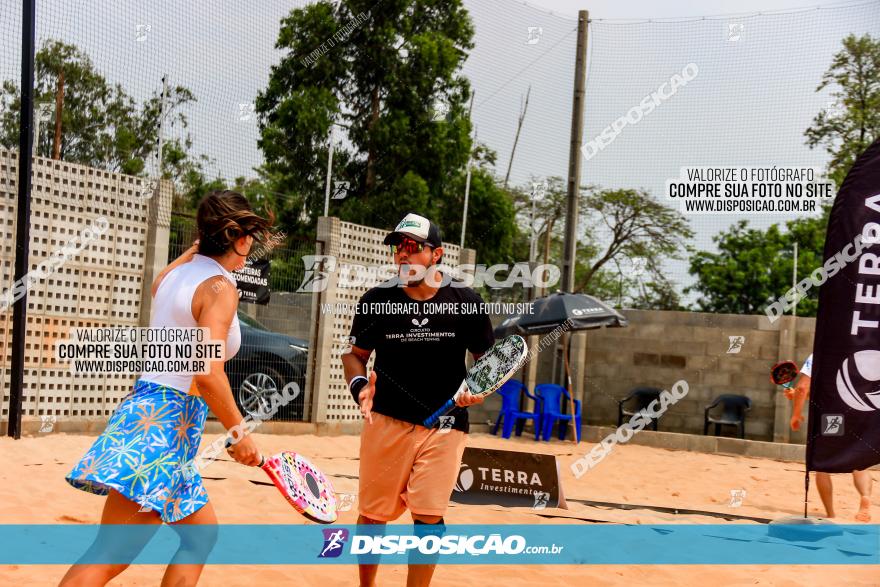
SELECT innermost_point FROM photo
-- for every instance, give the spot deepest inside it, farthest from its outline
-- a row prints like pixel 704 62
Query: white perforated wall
pixel 349 244
pixel 100 285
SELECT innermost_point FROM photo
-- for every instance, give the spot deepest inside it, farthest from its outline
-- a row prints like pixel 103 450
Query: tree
pixel 101 125
pixel 618 229
pixel 847 129
pixel 753 267
pixel 380 79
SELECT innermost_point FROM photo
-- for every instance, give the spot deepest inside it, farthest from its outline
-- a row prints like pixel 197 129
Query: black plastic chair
pixel 733 413
pixel 643 396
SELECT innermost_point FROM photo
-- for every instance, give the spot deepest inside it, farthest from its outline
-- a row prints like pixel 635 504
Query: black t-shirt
pixel 420 347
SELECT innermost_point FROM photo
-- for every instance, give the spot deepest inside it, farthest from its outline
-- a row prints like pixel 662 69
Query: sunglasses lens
pixel 407 245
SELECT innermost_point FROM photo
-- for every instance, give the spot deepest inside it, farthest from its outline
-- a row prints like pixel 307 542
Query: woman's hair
pixel 225 216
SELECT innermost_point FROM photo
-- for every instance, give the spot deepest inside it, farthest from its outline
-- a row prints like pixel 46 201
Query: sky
pixel 639 9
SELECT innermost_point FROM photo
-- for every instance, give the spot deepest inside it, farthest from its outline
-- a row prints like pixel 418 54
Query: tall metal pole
pixel 467 193
pixel 329 172
pixel 532 249
pixel 467 180
pixel 23 214
pixel 163 105
pixel 574 154
pixel 794 280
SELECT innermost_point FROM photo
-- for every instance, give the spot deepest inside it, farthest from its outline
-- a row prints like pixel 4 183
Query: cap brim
pixel 392 235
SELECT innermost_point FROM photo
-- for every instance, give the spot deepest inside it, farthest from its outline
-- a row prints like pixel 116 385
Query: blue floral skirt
pixel 146 452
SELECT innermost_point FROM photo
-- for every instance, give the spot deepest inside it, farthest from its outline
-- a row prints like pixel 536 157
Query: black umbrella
pixel 579 311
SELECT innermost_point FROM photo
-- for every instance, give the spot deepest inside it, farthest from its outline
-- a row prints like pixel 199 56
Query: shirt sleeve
pixel 807 368
pixel 479 336
pixel 364 327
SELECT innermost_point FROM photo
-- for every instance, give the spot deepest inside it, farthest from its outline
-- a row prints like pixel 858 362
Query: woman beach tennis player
pixel 139 460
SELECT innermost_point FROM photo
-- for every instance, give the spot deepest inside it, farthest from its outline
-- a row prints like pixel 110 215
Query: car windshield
pixel 250 321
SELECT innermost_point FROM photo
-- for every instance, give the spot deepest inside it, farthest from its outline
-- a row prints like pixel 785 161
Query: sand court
pixel 32 473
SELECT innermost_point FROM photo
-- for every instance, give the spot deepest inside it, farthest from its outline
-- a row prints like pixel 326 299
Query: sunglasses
pixel 408 246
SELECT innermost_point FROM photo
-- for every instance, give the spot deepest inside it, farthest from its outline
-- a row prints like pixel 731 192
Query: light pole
pixel 44 114
pixel 467 191
pixel 330 138
pixel 538 193
pixel 329 171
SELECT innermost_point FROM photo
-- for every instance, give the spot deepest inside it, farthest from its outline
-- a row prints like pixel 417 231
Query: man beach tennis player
pixel 420 363
pixel 861 479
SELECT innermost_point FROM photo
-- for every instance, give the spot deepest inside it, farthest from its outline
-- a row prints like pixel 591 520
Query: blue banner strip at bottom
pixel 729 544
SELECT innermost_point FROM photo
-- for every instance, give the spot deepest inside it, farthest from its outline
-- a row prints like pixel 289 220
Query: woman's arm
pixel 186 257
pixel 214 308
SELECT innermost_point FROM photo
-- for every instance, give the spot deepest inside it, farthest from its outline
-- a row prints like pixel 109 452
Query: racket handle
pixel 432 419
pixel 262 458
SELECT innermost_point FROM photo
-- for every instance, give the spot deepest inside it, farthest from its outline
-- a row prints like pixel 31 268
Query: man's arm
pixel 354 365
pixel 801 393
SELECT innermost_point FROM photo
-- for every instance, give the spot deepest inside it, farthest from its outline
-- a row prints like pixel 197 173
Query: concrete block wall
pixel 659 348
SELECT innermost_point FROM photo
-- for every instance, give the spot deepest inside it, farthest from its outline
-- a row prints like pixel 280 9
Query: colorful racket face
pixel 784 373
pixel 303 485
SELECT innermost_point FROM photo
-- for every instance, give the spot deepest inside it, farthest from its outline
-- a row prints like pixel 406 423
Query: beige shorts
pixel 406 466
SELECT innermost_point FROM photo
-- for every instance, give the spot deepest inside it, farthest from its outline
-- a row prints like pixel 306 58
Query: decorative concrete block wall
pixel 101 285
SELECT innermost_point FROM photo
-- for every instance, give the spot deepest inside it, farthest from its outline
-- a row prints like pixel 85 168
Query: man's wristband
pixel 355 385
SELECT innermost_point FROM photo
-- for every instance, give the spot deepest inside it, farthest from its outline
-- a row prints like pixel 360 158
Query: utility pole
pixel 574 154
pixel 574 183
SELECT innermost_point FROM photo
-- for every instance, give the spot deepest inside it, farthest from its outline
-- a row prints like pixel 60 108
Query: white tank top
pixel 172 307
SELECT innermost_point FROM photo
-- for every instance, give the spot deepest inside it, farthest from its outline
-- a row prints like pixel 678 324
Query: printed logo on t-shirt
pixel 421 333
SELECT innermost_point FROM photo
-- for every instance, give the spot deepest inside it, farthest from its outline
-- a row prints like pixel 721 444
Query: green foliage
pixel 844 132
pixel 616 228
pixel 101 125
pixel 753 267
pixel 380 82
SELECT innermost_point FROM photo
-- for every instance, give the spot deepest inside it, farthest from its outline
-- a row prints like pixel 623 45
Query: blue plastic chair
pixel 510 413
pixel 553 395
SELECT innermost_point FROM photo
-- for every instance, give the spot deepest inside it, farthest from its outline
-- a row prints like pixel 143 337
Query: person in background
pixel 861 479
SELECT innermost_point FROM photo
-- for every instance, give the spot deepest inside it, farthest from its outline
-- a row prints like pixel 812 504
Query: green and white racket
pixel 489 373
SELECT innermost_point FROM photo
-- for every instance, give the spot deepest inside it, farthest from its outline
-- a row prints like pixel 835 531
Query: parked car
pixel 265 363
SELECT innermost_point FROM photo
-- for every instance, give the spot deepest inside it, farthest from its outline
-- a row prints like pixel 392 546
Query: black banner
pixel 508 478
pixel 253 282
pixel 844 425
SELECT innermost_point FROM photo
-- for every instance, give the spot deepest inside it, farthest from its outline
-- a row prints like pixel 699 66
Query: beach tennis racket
pixel 784 373
pixel 302 484
pixel 489 373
